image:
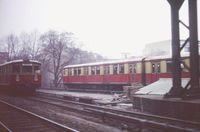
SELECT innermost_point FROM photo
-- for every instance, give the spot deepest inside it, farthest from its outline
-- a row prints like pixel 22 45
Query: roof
pixel 160 87
pixel 103 63
pixel 18 61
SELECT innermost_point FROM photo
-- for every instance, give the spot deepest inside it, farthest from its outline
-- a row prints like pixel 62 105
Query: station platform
pixel 92 98
pixel 151 99
pixel 170 107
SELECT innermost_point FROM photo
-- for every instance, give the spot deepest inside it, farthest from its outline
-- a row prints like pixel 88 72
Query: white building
pixel 163 48
pixel 158 48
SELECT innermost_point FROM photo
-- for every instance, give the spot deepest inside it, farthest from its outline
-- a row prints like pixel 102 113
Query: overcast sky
pixel 108 27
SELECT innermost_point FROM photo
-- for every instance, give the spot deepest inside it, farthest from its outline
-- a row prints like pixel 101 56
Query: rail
pixel 23 111
pixel 142 119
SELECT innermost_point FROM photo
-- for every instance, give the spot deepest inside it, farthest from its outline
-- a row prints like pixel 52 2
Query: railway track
pixel 15 119
pixel 128 118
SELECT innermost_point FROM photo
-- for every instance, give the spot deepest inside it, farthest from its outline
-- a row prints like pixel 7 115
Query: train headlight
pixel 36 77
pixel 37 71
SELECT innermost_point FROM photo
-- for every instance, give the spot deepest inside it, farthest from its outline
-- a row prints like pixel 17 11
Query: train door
pixel 106 69
pixel 155 71
pixel 132 72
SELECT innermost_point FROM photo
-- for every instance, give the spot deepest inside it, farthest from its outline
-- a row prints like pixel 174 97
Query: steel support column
pixel 176 90
pixel 194 89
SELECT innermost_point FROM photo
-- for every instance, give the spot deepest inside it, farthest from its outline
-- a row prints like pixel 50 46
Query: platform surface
pixel 170 107
pixel 95 96
pixel 160 87
pixel 161 98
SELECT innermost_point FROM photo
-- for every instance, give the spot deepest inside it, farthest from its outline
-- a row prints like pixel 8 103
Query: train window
pixel 16 68
pixel 169 66
pixel 97 70
pixel 4 69
pixel 130 68
pixel 8 68
pixel 26 69
pixel 36 69
pixel 93 70
pixel 85 70
pixel 158 68
pixel 65 72
pixel 115 69
pixel 75 72
pixel 1 69
pixel 70 72
pixel 134 68
pixel 153 68
pixel 79 71
pixel 106 70
pixel 121 68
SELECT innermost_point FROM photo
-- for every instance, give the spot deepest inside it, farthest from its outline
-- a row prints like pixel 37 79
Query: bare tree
pixel 23 47
pixel 86 57
pixel 34 44
pixel 58 50
pixel 29 45
pixel 12 43
pixel 55 50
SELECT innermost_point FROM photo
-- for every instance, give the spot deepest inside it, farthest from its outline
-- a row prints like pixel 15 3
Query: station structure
pixel 192 89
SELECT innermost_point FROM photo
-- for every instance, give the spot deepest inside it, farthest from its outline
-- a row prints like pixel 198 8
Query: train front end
pixel 26 77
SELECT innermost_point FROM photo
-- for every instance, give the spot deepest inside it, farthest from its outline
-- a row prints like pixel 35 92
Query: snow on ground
pixel 118 101
pixel 95 96
pixel 160 87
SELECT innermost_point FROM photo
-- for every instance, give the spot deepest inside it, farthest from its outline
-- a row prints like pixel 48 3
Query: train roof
pixel 20 60
pixel 102 63
pixel 122 61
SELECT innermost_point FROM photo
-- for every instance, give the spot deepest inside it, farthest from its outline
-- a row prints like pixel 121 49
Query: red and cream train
pixel 113 75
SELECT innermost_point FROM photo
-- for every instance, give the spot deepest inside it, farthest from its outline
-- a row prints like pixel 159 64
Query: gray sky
pixel 108 27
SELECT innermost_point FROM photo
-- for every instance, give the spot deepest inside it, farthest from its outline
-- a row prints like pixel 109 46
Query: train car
pixel 20 76
pixel 113 75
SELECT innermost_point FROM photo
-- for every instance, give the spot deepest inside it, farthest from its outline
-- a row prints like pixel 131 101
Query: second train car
pixel 113 75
